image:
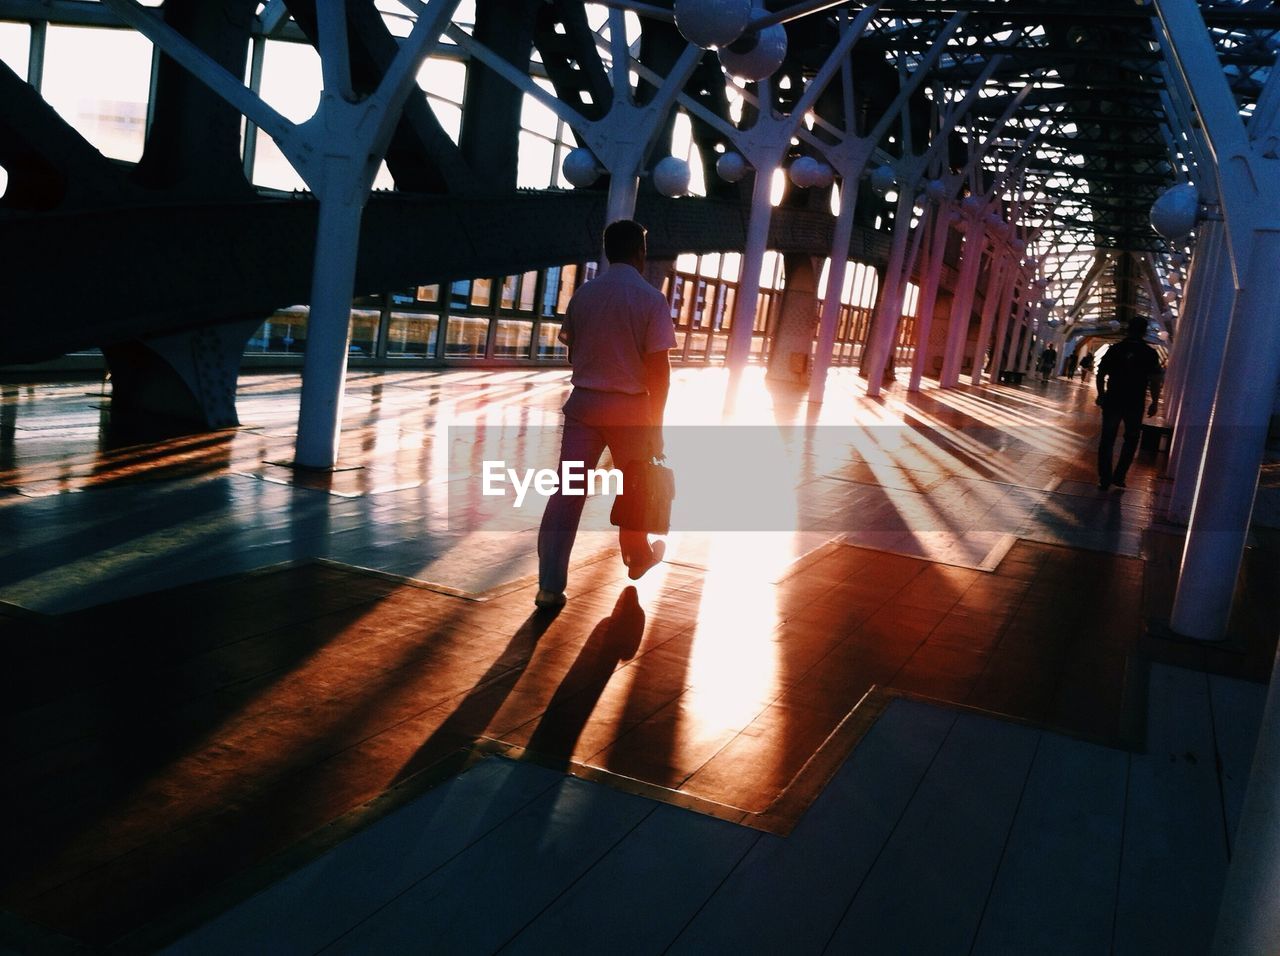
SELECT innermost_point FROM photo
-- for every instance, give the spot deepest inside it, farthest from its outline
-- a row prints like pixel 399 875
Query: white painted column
pixel 738 348
pixel 1233 449
pixel 929 290
pixel 962 303
pixel 1189 326
pixel 889 311
pixel 1002 328
pixel 1030 321
pixel 830 315
pixel 1203 367
pixel 996 282
pixel 324 367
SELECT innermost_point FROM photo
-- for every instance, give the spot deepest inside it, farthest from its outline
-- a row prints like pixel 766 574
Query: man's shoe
pixel 1119 483
pixel 638 569
pixel 548 600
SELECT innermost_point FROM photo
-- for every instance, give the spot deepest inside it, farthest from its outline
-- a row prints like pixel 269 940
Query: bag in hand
pixel 648 488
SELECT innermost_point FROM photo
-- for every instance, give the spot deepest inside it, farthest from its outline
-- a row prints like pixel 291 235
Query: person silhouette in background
pixel 618 328
pixel 1048 361
pixel 1128 370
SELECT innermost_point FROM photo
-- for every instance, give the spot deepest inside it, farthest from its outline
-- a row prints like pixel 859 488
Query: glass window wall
pixel 99 81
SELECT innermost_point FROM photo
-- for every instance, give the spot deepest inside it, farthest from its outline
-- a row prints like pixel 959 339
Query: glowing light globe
pixel 671 177
pixel 1174 212
pixel 712 23
pixel 804 172
pixel 882 179
pixel 580 167
pixel 936 190
pixel 731 167
pixel 756 54
pixel 823 174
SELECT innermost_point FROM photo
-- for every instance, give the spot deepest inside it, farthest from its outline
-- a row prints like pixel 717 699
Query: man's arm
pixel 657 379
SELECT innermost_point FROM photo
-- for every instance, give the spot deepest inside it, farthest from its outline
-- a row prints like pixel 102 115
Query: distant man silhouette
pixel 1048 361
pixel 618 328
pixel 1128 370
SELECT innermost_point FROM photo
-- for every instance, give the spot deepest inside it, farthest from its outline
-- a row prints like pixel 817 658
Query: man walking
pixel 618 328
pixel 1127 372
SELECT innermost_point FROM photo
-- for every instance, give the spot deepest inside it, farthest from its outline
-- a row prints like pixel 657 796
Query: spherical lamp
pixel 804 172
pixel 1174 212
pixel 731 167
pixel 756 54
pixel 882 179
pixel 936 190
pixel 671 177
pixel 580 167
pixel 712 23
pixel 823 174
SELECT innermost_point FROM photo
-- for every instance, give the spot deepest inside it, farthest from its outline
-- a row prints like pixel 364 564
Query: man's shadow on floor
pixel 613 640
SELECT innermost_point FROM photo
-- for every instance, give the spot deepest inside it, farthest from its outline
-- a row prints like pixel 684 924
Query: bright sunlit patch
pixel 733 665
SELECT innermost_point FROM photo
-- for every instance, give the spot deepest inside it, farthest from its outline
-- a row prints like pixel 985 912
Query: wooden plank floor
pixel 172 750
pixel 242 714
pixel 944 832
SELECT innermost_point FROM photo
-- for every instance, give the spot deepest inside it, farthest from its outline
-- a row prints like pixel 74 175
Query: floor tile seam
pixel 888 837
pixel 1003 633
pixel 738 734
pixel 1120 854
pixel 568 888
pixel 537 719
pixel 354 697
pixel 678 786
pixel 1218 768
pixel 194 824
pixel 1004 846
pixel 441 864
pixel 715 891
pixel 188 699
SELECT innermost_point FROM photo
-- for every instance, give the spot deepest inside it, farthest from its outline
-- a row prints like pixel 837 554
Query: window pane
pixel 284 333
pixel 428 293
pixel 411 334
pixel 730 267
pixel 550 347
pixel 364 332
pixel 98 81
pixel 536 163
pixel 528 286
pixel 481 293
pixel 466 337
pixel 550 288
pixel 537 118
pixel 509 291
pixel 460 295
pixel 511 338
pixel 568 276
pixel 444 79
pixel 15 44
pixel 291 80
pixel 450 117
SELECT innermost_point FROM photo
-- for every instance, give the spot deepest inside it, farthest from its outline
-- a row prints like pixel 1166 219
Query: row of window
pixel 518 318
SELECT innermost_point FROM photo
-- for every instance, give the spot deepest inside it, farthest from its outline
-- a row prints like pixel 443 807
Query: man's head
pixel 624 242
pixel 1137 328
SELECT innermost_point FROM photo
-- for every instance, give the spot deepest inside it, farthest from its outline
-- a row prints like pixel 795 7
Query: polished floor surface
pixel 228 670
